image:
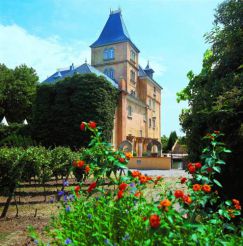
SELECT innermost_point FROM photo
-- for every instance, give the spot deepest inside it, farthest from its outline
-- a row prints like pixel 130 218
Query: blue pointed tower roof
pixel 114 31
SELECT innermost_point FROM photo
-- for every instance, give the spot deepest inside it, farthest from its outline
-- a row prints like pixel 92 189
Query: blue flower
pixel 60 193
pixel 126 237
pixel 68 241
pixel 107 241
pixel 65 198
pixel 65 183
pixel 68 209
pixel 89 216
pixel 36 241
pixel 71 197
pixel 132 185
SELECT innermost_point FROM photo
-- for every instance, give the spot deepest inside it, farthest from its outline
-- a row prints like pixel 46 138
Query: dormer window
pixel 133 56
pixel 109 54
pixel 110 72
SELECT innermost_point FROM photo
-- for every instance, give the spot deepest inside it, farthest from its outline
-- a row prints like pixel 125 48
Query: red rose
pixel 92 124
pixel 122 186
pixel 120 194
pixel 198 165
pixel 91 187
pixel 196 187
pixel 74 163
pixel 192 169
pixel 209 169
pixel 154 221
pixel 82 126
pixel 206 188
pixel 183 180
pixel 77 188
pixel 189 165
pixel 122 160
pixel 187 199
pixel 137 194
pixel 87 169
pixel 178 193
pixel 80 164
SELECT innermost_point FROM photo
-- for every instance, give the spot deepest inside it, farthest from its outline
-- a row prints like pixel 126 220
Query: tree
pixel 215 95
pixel 17 92
pixel 164 142
pixel 60 108
pixel 171 141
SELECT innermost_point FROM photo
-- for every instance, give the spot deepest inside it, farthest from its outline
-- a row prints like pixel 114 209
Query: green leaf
pixel 227 150
pixel 217 183
pixel 217 169
pixel 220 162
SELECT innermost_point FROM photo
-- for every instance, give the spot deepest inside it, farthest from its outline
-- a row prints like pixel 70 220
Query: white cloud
pixel 45 55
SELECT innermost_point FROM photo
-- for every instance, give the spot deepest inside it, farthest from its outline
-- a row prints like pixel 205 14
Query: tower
pixel 114 54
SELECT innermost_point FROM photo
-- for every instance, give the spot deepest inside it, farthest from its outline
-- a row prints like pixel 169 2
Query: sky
pixel 52 34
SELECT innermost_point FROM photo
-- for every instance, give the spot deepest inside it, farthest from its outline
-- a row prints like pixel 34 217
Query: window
pixel 132 56
pixel 154 122
pixel 153 104
pixel 150 123
pixel 133 93
pixel 129 111
pixel 154 91
pixel 141 133
pixel 144 117
pixel 132 76
pixel 110 72
pixel 150 103
pixel 109 54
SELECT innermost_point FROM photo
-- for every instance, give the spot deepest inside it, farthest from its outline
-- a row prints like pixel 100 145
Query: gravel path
pixel 166 173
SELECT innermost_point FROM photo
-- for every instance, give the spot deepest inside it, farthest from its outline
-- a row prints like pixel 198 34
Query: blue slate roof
pixel 83 69
pixel 114 31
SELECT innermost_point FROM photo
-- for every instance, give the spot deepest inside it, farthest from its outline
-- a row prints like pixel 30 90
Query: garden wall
pixel 149 163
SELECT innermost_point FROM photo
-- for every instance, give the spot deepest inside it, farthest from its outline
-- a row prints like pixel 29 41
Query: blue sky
pixel 51 34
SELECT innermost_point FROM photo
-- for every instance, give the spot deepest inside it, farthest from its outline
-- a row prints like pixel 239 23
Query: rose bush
pixel 113 210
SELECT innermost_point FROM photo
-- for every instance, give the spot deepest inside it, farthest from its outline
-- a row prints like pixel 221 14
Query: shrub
pixel 122 215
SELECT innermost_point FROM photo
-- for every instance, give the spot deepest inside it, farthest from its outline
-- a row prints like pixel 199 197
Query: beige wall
pixel 150 163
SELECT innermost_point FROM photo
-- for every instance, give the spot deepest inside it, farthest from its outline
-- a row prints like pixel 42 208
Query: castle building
pixel 116 57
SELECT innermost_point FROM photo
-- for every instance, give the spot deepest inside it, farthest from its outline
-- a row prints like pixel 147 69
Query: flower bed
pixel 119 214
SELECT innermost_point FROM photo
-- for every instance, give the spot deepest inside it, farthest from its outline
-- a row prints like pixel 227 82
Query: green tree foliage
pixel 215 95
pixel 60 108
pixel 164 142
pixel 17 92
pixel 171 141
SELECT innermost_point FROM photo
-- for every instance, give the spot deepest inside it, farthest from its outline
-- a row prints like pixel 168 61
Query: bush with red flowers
pixel 113 210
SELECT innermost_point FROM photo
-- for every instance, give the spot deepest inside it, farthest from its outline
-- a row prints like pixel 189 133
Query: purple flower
pixel 65 183
pixel 65 198
pixel 60 193
pixel 51 200
pixel 68 241
pixel 68 209
pixel 89 216
pixel 132 185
